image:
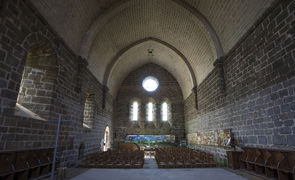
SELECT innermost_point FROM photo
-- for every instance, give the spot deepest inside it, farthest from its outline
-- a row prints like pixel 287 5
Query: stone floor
pixel 159 174
pixel 150 171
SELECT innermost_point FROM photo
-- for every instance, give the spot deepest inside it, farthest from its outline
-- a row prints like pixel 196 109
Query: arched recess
pixel 102 19
pixel 37 87
pixel 136 55
pixel 89 108
pixel 107 143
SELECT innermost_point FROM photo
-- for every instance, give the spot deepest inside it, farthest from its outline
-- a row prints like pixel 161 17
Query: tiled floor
pixel 151 172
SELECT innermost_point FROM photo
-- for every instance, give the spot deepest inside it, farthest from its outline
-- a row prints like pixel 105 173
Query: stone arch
pixel 119 54
pixel 35 37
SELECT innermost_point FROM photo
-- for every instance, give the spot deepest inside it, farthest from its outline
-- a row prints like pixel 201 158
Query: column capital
pixel 195 88
pixel 82 61
pixel 218 61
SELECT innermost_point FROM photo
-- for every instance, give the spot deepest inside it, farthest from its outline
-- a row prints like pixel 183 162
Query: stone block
pixel 289 122
pixel 3 83
pixel 291 140
pixel 9 94
pixel 285 108
pixel 11 60
pixel 252 139
pixel 283 93
pixel 279 139
pixel 285 130
pixel 262 140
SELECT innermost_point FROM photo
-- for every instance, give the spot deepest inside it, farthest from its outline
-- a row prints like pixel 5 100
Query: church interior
pixel 147 89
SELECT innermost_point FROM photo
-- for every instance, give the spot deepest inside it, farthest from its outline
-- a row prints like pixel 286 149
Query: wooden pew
pixel 287 166
pixel 45 157
pixel 261 161
pixel 181 157
pixel 252 156
pixel 25 164
pixel 243 158
pixel 273 163
pixel 6 166
pixel 21 165
pixel 34 164
pixel 114 159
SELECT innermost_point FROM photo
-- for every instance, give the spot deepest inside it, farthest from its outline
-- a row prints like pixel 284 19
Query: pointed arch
pixel 119 54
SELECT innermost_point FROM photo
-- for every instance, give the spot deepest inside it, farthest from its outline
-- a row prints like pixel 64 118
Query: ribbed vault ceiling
pixel 189 34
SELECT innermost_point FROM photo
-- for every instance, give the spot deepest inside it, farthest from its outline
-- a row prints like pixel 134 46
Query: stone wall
pixel 258 102
pixel 21 27
pixel 132 88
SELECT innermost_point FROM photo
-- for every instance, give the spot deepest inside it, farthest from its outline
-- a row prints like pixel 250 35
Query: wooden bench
pixel 261 161
pixel 286 168
pixel 25 164
pixel 252 156
pixel 6 166
pixel 273 163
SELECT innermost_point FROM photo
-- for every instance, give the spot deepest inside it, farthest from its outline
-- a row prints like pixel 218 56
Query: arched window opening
pixel 165 111
pixel 134 109
pixel 89 108
pixel 37 88
pixel 107 143
pixel 150 110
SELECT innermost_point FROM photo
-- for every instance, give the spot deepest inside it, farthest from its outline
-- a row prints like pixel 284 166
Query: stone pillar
pixel 219 66
pixel 195 91
pixel 82 65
